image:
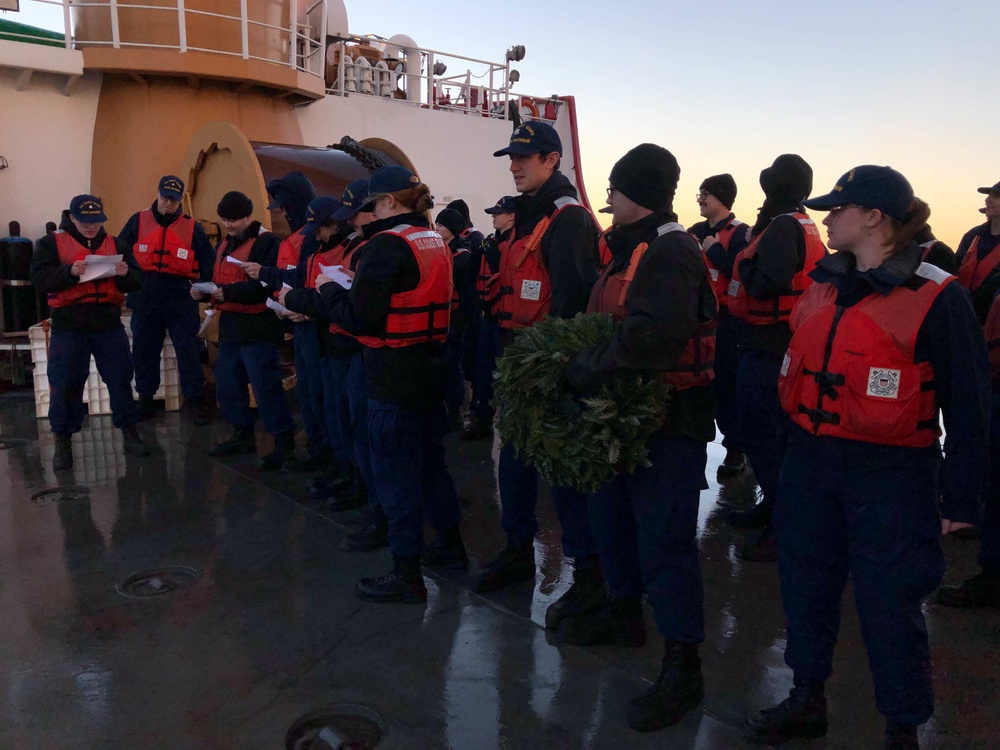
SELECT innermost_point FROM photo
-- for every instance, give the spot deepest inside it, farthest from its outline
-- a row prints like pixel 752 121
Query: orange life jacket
pixel 849 371
pixel 332 257
pixel 230 273
pixel 973 271
pixel 525 292
pixel 487 280
pixel 421 315
pixel 100 292
pixel 927 246
pixel 290 252
pixel 718 278
pixel 603 249
pixel 341 256
pixel 779 309
pixel 694 365
pixel 166 249
pixel 992 333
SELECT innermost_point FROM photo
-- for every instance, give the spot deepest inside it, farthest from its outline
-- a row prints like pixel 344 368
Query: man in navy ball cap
pixel 86 320
pixel 173 250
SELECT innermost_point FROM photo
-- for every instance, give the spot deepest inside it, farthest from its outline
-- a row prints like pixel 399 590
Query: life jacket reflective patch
pixel 778 309
pixel 849 371
pixel 421 315
pixel 973 271
pixel 525 292
pixel 166 249
pixel 694 366
pixel 99 292
pixel 231 273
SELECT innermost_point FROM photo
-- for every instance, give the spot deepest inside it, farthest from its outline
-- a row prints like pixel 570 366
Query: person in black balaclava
pixel 768 278
pixel 645 523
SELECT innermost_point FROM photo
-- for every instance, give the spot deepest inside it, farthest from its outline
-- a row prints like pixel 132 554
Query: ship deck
pixel 271 630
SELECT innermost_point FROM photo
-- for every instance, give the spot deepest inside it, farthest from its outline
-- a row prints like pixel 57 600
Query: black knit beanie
pixel 452 220
pixel 647 175
pixel 462 207
pixel 789 178
pixel 722 186
pixel 234 206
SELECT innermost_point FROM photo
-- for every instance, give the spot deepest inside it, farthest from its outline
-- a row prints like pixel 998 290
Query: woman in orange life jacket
pixel 769 275
pixel 249 334
pixel 449 223
pixel 489 342
pixel 399 307
pixel 722 238
pixel 86 320
pixel 882 344
pixel 644 524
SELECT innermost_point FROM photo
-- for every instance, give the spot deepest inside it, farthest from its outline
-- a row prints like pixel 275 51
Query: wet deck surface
pixel 272 630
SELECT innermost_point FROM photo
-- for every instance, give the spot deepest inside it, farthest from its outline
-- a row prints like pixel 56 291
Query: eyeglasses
pixel 611 191
pixel 701 195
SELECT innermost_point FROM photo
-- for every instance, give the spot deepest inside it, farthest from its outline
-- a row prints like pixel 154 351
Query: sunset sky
pixel 728 85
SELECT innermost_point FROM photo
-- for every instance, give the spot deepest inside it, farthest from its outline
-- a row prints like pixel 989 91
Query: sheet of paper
pixel 205 287
pixel 338 274
pixel 231 259
pixel 277 307
pixel 99 267
pixel 208 319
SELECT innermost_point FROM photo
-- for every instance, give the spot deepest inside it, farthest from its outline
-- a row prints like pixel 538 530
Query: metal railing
pixel 301 44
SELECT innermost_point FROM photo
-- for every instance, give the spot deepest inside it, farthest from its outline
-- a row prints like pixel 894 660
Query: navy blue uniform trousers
pixel 519 496
pixel 336 409
pixel 255 364
pixel 489 345
pixel 645 525
pixel 69 368
pixel 357 399
pixel 763 423
pixel 727 359
pixel 989 545
pixel 149 327
pixel 309 381
pixel 871 512
pixel 410 473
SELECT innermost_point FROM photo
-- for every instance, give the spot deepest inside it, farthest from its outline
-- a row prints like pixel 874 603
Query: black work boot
pixel 756 517
pixel 762 549
pixel 348 497
pixel 448 551
pixel 336 475
pixel 404 583
pixel 801 714
pixel 284 449
pixel 200 409
pixel 732 464
pixel 587 593
pixel 373 535
pixel 516 563
pixel 901 736
pixel 63 458
pixel 617 623
pixel 982 590
pixel 133 443
pixel 476 428
pixel 243 440
pixel 316 456
pixel 679 688
pixel 147 407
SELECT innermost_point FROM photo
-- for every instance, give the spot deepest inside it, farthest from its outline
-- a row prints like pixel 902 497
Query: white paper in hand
pixel 99 267
pixel 337 273
pixel 277 307
pixel 205 287
pixel 231 259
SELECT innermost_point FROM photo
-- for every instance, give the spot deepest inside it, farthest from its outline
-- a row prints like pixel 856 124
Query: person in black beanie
pixel 249 334
pixel 645 523
pixel 449 224
pixel 769 276
pixel 722 237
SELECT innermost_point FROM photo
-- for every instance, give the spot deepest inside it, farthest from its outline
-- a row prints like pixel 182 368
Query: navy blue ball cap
pixel 532 137
pixel 872 187
pixel 171 187
pixel 994 189
pixel 319 210
pixel 276 189
pixel 87 209
pixel 503 206
pixel 355 196
pixel 385 180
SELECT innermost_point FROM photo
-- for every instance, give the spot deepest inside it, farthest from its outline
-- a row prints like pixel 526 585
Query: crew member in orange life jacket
pixel 399 307
pixel 769 275
pixel 979 255
pixel 722 237
pixel 936 252
pixel 249 334
pixel 882 344
pixel 449 223
pixel 548 269
pixel 86 320
pixel 291 195
pixel 645 523
pixel 489 342
pixel 173 250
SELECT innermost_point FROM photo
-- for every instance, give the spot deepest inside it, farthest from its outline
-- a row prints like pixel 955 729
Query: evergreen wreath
pixel 574 442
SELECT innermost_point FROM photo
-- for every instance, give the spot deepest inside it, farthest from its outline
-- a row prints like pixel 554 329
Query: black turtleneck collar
pixel 530 209
pixel 840 269
pixel 89 244
pixel 622 240
pixel 165 220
